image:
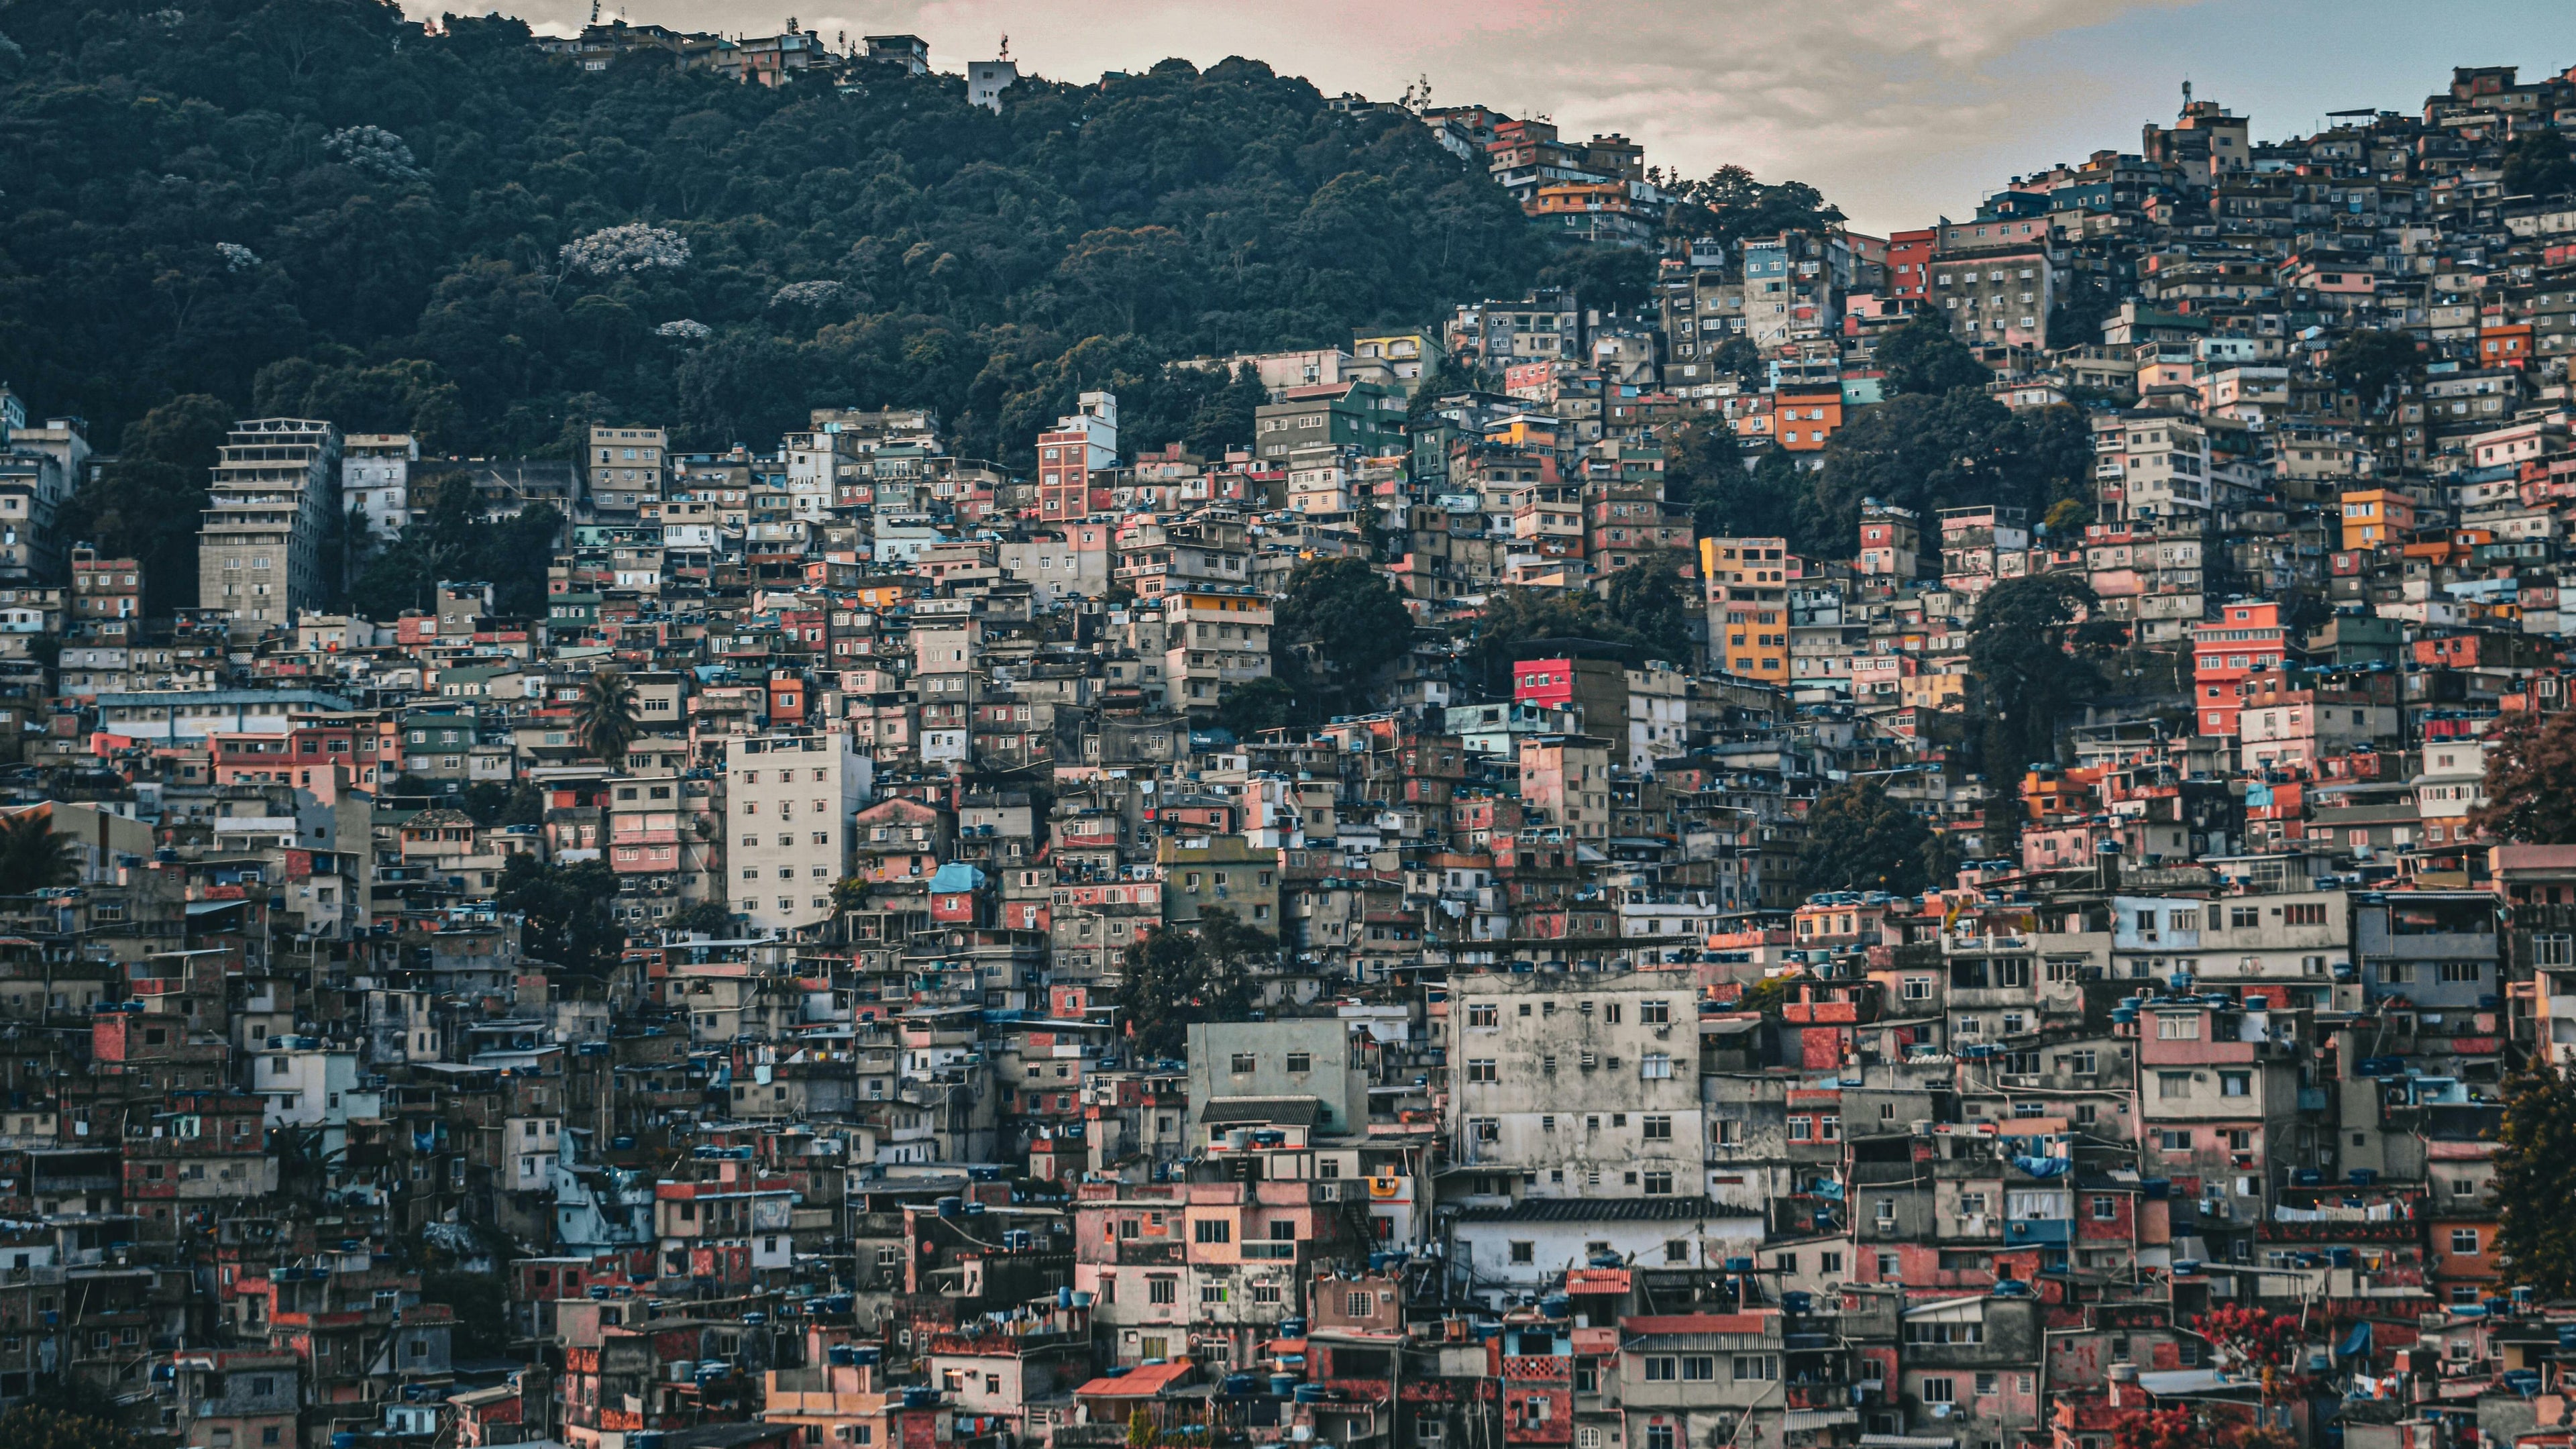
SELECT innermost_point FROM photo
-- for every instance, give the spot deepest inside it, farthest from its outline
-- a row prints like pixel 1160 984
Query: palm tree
pixel 33 857
pixel 606 718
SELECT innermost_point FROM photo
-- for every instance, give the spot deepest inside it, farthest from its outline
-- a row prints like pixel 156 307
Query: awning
pixel 1797 1419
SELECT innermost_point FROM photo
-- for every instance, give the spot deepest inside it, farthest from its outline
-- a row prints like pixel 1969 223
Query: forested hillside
pixel 311 206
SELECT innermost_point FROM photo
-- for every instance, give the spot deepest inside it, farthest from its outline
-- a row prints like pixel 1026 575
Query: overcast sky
pixel 1899 110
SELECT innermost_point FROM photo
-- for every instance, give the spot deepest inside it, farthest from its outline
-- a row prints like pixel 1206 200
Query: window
pixel 1756 1367
pixel 1654 1065
pixel 2464 1242
pixel 1677 1250
pixel 1660 1370
pixel 1656 1127
pixel 1481 1069
pixel 1699 1369
pixel 1359 1304
pixel 1659 1183
pixel 2172 1026
pixel 2172 1085
pixel 1939 1391
pixel 2106 1208
pixel 2235 1084
pixel 1242 1062
pixel 1659 1436
pixel 1655 1013
pixel 1213 1230
pixel 1483 1013
pixel 1523 1253
pixel 1162 1290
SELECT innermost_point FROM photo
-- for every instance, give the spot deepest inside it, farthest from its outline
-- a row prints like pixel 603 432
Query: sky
pixel 1899 111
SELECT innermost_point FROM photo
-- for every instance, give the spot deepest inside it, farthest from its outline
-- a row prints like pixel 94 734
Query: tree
pixel 1739 357
pixel 503 244
pixel 2082 307
pixel 40 1426
pixel 492 803
pixel 33 856
pixel 1607 278
pixel 2531 780
pixel 480 1305
pixel 1730 206
pixel 607 718
pixel 2253 1337
pixel 1344 615
pixel 1859 839
pixel 1923 356
pixel 2030 650
pixel 566 907
pixel 2176 1428
pixel 2370 362
pixel 1927 452
pixel 2535 1179
pixel 707 918
pixel 146 502
pixel 1731 495
pixel 1650 601
pixel 2537 165
pixel 1255 705
pixel 1176 978
pixel 1516 622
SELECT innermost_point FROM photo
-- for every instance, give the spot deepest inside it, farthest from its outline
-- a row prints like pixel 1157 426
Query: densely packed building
pixel 1558 1111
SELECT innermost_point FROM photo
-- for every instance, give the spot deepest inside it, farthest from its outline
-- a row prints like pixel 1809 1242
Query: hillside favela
pixel 735 740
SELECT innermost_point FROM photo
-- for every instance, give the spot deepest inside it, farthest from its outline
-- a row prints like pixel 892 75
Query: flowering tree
pixel 2255 1337
pixel 805 294
pixel 687 329
pixel 237 258
pixel 626 251
pixel 2174 1428
pixel 374 150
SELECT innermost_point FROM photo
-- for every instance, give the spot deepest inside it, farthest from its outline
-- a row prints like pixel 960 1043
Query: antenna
pixel 594 12
pixel 2186 92
pixel 1006 48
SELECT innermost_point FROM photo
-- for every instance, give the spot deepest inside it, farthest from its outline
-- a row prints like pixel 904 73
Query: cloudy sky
pixel 1900 110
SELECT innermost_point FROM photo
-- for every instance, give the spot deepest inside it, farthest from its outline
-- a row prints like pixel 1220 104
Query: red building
pixel 1909 253
pixel 2246 640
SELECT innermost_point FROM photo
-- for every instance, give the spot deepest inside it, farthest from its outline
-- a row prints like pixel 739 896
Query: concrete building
pixel 1574 1087
pixel 627 467
pixel 260 548
pixel 790 799
pixel 375 482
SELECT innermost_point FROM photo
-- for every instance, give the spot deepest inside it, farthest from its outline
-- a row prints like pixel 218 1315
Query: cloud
pixel 1896 110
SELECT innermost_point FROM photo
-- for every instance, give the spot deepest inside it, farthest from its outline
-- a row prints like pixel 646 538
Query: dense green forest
pixel 312 206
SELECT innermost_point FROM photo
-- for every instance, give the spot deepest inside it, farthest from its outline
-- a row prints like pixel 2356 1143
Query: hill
pixel 314 207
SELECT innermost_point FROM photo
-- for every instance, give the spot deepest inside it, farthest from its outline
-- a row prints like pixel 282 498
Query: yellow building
pixel 2373 517
pixel 1748 605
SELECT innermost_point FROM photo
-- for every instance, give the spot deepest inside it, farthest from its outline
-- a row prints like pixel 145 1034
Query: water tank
pixel 2124 1373
pixel 948 1206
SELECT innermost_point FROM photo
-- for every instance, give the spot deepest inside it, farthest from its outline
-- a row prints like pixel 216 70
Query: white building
pixel 789 800
pixel 304 1086
pixel 375 480
pixel 1574 1087
pixel 987 79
